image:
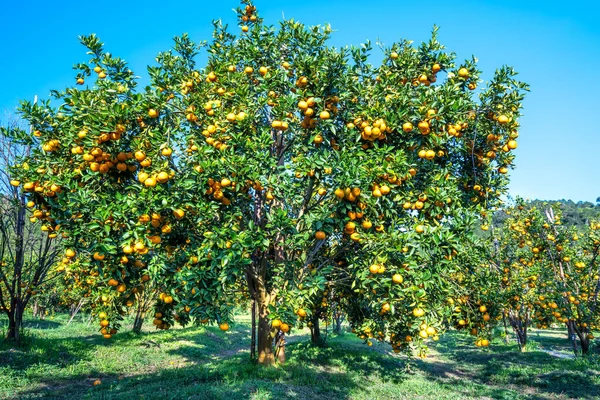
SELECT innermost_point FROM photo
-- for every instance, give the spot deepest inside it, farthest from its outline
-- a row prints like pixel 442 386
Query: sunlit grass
pixel 60 361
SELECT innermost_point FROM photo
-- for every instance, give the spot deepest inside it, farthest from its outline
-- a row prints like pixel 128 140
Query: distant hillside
pixel 574 214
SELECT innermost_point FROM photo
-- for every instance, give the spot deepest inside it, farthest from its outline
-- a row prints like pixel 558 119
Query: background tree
pixel 26 255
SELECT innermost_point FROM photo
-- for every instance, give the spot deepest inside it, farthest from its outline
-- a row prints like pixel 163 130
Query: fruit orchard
pixel 299 180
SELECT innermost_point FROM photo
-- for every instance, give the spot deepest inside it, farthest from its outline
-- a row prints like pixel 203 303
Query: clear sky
pixel 555 45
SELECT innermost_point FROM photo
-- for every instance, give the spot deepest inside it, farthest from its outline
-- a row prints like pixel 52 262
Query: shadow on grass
pixel 57 352
pixel 534 371
pixel 232 377
pixel 41 324
pixel 204 363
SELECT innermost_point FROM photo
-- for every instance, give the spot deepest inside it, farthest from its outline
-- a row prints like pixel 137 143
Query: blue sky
pixel 555 45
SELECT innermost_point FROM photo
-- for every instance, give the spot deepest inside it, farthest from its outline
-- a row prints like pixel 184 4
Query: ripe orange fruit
pixel 97 382
pixel 162 177
pixel 104 323
pixel 463 72
pixel 152 113
pixel 324 115
pixel 140 155
pixel 407 127
pixel 320 235
pixel 224 326
pixel 418 312
pixel 98 257
pixel 301 313
pixel 80 81
pixel 285 328
pixel 374 269
pixel 276 323
pixel 502 119
pixel 482 309
pixel 150 182
pixel 179 213
pixel 397 278
pixel 420 229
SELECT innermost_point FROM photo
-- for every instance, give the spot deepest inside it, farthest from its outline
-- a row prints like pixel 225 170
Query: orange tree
pixel 516 269
pixel 571 257
pixel 555 269
pixel 252 177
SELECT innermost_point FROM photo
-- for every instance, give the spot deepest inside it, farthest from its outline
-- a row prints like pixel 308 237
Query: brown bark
pixel 265 339
pixel 506 339
pixel 519 321
pixel 75 310
pixel 315 331
pixel 253 332
pixel 337 327
pixel 280 347
pixel 585 344
pixel 15 320
pixel 138 322
pixel 572 336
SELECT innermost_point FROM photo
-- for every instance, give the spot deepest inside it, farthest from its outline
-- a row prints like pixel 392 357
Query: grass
pixel 60 361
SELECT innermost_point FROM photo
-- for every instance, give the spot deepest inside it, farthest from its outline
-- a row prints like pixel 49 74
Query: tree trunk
pixel 338 317
pixel 522 337
pixel 572 336
pixel 15 316
pixel 265 333
pixel 585 344
pixel 75 310
pixel 139 321
pixel 265 340
pixel 520 328
pixel 35 309
pixel 280 347
pixel 315 331
pixel 506 339
pixel 253 332
pixel 15 320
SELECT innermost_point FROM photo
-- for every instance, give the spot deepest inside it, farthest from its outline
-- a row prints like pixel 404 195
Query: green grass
pixel 60 361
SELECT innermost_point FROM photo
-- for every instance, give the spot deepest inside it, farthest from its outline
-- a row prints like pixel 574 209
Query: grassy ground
pixel 59 361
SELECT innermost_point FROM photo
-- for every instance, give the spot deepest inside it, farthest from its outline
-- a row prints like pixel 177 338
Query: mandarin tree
pixel 516 269
pixel 281 170
pixel 571 257
pixel 558 267
pixel 26 255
